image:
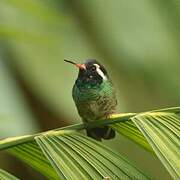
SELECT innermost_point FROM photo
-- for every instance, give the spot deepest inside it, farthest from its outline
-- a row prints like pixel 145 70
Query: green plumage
pixel 94 102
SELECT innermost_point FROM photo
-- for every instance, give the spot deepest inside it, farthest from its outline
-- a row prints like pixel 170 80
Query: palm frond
pixel 31 154
pixel 6 176
pixel 14 141
pixel 66 150
pixel 162 131
pixel 159 132
pixel 130 130
pixel 88 158
pixel 161 128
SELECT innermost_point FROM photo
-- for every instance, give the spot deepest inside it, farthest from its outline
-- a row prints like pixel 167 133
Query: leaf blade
pixel 163 137
pixel 6 176
pixel 103 160
pixel 30 154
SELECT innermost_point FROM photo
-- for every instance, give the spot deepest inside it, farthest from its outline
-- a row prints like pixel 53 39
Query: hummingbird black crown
pixel 93 74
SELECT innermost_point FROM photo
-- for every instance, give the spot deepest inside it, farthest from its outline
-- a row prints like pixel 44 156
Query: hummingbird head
pixel 91 72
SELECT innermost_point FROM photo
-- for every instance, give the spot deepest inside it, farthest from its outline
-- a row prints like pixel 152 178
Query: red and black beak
pixel 80 66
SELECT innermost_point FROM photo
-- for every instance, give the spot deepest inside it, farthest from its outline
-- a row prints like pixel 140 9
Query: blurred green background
pixel 137 41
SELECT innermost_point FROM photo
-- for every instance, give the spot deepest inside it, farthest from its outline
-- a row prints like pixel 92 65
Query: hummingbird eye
pixel 93 68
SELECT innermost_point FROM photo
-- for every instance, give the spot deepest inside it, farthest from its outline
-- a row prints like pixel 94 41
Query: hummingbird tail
pixel 99 133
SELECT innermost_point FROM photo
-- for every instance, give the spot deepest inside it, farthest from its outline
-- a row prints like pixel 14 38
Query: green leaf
pixel 162 131
pixel 67 150
pixel 13 141
pixel 31 154
pixel 129 130
pixel 160 127
pixel 75 156
pixel 6 176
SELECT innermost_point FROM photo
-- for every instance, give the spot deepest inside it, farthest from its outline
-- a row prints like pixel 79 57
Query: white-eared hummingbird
pixel 94 96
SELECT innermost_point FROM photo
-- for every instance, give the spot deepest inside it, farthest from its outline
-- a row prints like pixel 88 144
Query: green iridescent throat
pixel 80 90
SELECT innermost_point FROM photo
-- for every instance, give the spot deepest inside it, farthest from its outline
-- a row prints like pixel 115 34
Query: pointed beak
pixel 80 66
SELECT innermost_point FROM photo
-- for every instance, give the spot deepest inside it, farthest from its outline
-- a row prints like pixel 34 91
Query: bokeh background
pixel 137 41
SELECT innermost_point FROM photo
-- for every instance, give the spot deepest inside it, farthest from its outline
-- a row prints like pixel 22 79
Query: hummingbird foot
pixel 100 133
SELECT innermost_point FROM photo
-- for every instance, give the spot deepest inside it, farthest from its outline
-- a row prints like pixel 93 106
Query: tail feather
pixel 100 133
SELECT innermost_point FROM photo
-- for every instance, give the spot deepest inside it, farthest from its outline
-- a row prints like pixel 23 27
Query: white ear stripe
pixel 100 72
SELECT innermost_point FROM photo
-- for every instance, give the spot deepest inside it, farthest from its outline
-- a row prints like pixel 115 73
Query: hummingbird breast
pixel 94 102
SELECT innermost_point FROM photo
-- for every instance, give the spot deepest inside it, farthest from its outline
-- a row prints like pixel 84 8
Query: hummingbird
pixel 94 97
